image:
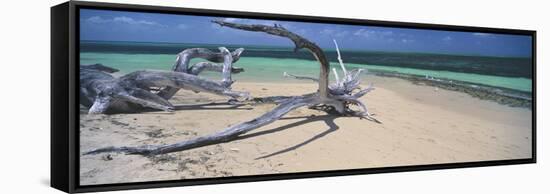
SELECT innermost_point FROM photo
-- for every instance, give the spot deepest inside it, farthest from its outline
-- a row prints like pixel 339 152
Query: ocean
pixel 262 63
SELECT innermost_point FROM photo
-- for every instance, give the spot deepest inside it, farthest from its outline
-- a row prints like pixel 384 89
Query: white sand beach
pixel 421 125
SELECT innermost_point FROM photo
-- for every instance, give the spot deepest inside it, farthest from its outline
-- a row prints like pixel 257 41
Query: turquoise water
pixel 271 69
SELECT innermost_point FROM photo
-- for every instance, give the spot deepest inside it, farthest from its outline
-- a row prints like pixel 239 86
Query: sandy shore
pixel 421 125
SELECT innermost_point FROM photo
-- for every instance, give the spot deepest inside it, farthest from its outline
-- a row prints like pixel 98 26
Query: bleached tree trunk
pixel 103 93
pixel 184 58
pixel 338 97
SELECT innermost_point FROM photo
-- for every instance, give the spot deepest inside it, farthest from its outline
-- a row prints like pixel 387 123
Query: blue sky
pixel 152 27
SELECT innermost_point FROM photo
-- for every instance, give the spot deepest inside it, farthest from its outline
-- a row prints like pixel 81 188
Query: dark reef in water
pixel 503 96
pixel 497 66
pixel 486 65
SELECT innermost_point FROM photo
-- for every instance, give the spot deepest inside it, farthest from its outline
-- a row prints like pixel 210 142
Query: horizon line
pixel 330 49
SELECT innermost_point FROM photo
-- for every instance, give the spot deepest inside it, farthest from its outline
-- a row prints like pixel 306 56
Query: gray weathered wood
pixel 225 135
pixel 103 93
pixel 338 98
pixel 184 58
pixel 199 67
pixel 299 43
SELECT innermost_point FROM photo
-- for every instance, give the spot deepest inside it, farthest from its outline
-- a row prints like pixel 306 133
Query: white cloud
pixel 97 19
pixel 373 33
pixel 387 33
pixel 342 33
pixel 405 40
pixel 483 35
pixel 182 26
pixel 333 33
pixel 299 31
pixel 130 20
pixel 122 19
pixel 447 38
pixel 231 19
pixel 251 21
pixel 384 35
pixel 326 31
pixel 364 33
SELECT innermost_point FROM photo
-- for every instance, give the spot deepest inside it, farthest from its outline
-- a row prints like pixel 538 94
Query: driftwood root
pixel 337 98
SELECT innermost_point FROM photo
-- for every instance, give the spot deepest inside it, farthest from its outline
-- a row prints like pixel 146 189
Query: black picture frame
pixel 64 107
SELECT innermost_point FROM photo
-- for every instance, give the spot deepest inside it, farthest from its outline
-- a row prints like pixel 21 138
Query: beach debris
pixel 509 97
pixel 101 92
pixel 285 74
pixel 184 57
pixel 155 133
pixel 337 98
pixel 235 149
pixel 107 157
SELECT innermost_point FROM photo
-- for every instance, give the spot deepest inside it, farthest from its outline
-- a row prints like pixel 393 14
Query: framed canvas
pixel 147 96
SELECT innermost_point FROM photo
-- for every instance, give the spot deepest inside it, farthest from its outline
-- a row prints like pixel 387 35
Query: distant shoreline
pixel 487 65
pixel 290 47
pixel 505 96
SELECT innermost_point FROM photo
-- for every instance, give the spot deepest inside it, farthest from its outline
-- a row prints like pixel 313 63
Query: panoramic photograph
pixel 179 97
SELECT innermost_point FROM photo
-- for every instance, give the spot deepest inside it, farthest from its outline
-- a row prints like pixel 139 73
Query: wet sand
pixel 421 125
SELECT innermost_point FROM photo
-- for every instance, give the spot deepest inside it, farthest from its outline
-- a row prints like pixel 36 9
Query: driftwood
pixel 184 57
pixel 103 93
pixel 338 98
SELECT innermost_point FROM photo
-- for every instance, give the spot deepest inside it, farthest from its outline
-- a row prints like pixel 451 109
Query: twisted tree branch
pixel 338 98
pixel 184 57
pixel 299 43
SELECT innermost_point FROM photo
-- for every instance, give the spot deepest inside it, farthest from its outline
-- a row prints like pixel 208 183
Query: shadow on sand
pixel 204 106
pixel 212 106
pixel 328 119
